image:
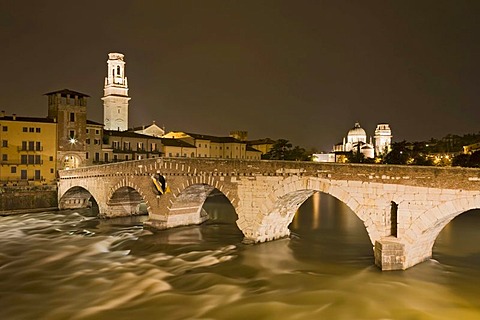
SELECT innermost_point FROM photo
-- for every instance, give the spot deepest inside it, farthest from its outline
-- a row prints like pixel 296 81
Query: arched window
pixel 118 70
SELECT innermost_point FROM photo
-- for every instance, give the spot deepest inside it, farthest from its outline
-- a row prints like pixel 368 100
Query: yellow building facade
pixel 28 150
pixel 216 147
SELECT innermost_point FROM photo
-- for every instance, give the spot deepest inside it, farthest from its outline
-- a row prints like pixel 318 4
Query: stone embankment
pixel 21 199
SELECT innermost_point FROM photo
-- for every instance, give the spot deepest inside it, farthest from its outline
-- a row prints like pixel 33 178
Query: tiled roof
pixel 129 134
pixel 261 141
pixel 64 93
pixel 176 143
pixel 249 148
pixel 27 119
pixel 214 138
pixel 94 123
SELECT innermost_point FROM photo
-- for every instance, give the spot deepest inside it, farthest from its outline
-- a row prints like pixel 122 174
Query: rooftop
pixel 65 92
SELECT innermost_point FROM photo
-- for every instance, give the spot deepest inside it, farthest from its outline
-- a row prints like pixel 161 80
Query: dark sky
pixel 300 70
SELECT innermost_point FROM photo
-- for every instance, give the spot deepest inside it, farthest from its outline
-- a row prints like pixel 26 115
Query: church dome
pixel 356 131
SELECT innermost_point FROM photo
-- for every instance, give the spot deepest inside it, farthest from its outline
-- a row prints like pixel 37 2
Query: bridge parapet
pixel 433 177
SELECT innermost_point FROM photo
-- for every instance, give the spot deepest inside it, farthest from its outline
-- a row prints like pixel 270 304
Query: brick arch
pixel 435 219
pixel 129 184
pixel 280 208
pixel 76 197
pixel 211 181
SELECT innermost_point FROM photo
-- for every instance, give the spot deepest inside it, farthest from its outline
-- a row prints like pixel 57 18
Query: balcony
pixel 29 149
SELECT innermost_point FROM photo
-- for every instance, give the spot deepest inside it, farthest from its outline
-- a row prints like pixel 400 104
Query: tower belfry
pixel 115 94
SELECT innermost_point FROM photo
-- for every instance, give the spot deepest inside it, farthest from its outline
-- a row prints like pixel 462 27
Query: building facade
pixel 216 147
pixel 69 110
pixel 28 150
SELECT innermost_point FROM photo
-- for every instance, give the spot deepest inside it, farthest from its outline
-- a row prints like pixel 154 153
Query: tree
pixel 282 149
pixel 399 154
pixel 279 150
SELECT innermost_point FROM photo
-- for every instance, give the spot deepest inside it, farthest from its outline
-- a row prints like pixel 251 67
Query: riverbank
pixel 21 199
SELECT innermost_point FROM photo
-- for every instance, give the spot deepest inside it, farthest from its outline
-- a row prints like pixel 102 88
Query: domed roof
pixel 357 131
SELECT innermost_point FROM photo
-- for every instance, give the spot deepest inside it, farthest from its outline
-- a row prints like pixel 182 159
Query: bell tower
pixel 115 94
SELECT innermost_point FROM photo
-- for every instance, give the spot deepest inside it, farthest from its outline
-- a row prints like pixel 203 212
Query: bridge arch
pixel 429 225
pixel 188 200
pixel 279 209
pixel 125 199
pixel 77 197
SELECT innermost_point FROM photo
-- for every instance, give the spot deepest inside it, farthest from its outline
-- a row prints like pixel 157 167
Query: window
pixel 13 170
pixel 31 159
pixel 97 131
pixel 25 129
pixel 72 116
pixel 87 131
pixel 140 146
pixel 87 141
pixel 23 174
pixel 105 157
pixel 4 128
pixel 71 134
pixel 24 145
pixel 116 145
pixel 115 157
pixel 4 157
pixel 51 170
pixel 126 157
pixel 86 155
pixel 97 156
pixel 4 143
pixel 23 159
pixel 38 146
pixel 31 145
pixel 169 154
pixel 96 141
pixel 31 129
pixel 37 175
pixel 38 159
pixel 50 158
pixel 37 130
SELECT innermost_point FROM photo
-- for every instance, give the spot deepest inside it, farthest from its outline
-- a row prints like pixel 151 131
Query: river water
pixel 72 265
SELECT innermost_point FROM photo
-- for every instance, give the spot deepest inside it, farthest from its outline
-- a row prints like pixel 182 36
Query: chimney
pixel 2 114
pixel 14 116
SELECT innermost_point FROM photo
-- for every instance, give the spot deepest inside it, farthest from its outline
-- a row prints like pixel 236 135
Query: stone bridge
pixel 403 208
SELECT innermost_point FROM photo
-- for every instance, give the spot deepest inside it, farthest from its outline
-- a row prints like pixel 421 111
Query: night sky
pixel 301 70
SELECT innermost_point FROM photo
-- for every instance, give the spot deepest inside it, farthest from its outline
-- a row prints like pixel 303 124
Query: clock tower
pixel 115 94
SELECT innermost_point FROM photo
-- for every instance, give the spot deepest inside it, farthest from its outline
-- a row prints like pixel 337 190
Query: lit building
pixel 115 94
pixel 262 145
pixel 94 143
pixel 216 147
pixel 69 110
pixel 178 148
pixel 383 139
pixel 127 145
pixel 356 141
pixel 28 150
pixel 150 130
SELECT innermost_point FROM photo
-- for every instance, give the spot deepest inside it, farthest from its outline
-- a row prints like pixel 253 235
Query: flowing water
pixel 72 265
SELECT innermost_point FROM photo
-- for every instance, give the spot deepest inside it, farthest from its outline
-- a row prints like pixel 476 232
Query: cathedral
pixel 356 141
